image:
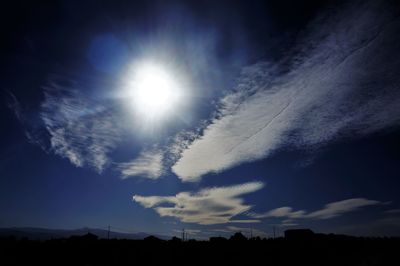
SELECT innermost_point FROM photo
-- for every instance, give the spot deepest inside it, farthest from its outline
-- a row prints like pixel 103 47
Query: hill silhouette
pixel 34 233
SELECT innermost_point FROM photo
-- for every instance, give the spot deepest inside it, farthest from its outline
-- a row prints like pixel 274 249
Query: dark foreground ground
pixel 316 251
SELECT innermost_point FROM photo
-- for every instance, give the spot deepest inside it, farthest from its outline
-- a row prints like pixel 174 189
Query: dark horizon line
pixel 162 236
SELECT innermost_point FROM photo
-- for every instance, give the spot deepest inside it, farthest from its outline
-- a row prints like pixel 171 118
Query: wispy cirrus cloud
pixel 148 164
pixel 340 80
pixel 215 205
pixel 330 210
pixel 80 129
pixel 32 131
pixel 15 106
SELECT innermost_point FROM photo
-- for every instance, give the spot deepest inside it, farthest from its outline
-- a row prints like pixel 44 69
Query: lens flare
pixel 153 90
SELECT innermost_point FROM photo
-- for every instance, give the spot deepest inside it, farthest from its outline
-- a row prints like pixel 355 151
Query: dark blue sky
pixel 287 116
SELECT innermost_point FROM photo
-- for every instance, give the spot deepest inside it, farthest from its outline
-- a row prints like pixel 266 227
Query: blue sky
pixel 280 115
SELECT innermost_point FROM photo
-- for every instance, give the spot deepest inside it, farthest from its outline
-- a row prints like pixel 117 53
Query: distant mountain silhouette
pixel 34 233
pixel 85 238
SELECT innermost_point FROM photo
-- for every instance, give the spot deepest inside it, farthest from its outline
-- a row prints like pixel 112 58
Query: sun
pixel 154 91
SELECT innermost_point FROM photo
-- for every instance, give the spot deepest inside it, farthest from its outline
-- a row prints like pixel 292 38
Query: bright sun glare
pixel 154 90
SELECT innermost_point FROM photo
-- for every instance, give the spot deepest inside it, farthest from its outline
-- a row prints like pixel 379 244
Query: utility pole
pixel 251 233
pixel 274 231
pixel 108 233
pixel 183 235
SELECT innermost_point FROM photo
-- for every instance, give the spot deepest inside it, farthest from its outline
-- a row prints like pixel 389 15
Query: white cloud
pixel 148 164
pixel 215 205
pixel 345 83
pixel 330 210
pixel 80 129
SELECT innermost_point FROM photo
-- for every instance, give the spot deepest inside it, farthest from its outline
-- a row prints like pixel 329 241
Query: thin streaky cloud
pixel 393 211
pixel 331 210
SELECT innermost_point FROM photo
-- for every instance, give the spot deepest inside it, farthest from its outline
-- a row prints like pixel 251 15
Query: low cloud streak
pixel 329 211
